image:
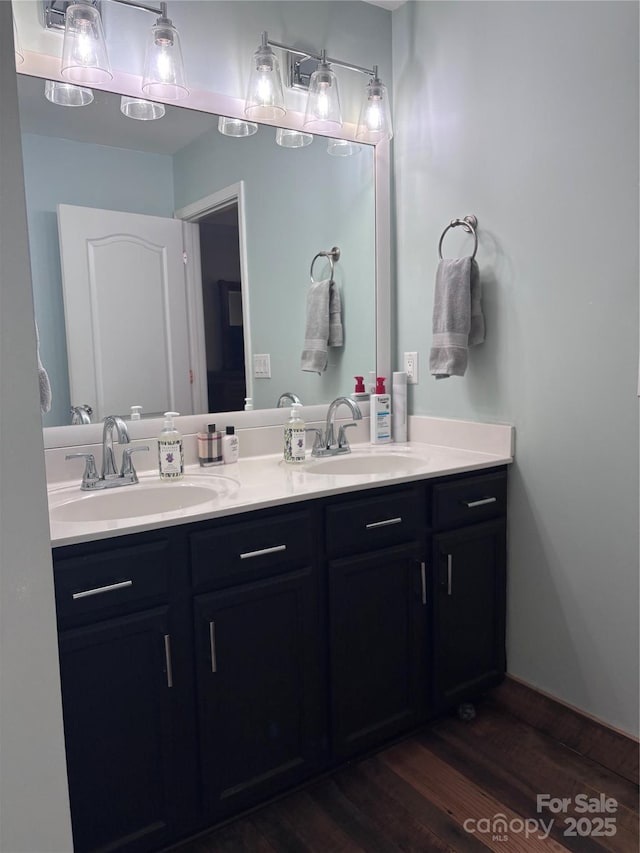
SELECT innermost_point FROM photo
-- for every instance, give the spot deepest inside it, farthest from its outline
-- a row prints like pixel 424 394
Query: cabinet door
pixel 468 640
pixel 376 624
pixel 259 679
pixel 116 691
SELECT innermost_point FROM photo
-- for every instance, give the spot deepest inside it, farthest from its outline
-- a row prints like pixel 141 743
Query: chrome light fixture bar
pixel 85 58
pixel 313 71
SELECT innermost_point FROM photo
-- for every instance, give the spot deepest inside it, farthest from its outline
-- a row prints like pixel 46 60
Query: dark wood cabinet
pixel 260 692
pixel 209 666
pixel 376 641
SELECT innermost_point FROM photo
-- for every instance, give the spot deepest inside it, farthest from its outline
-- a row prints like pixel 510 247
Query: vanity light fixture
pixel 84 52
pixel 236 127
pixel 292 138
pixel 314 72
pixel 66 94
pixel 140 109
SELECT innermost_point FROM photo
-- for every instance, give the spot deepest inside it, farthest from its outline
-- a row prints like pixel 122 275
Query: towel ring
pixel 333 257
pixel 469 223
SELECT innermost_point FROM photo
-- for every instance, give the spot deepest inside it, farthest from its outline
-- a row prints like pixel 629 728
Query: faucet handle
pixel 343 441
pixel 128 471
pixel 318 440
pixel 90 476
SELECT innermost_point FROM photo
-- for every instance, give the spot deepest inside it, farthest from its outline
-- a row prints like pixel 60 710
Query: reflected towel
pixel 458 322
pixel 316 335
pixel 43 378
pixel 335 316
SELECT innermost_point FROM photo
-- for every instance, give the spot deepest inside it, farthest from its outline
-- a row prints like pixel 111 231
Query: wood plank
pixel 613 749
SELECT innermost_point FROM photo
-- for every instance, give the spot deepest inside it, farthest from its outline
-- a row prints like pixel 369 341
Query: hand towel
pixel 335 316
pixel 316 335
pixel 458 322
pixel 43 377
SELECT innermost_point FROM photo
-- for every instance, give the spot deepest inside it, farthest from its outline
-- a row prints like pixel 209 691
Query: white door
pixel 125 309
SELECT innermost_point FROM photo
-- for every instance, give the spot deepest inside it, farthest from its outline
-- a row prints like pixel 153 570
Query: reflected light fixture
pixel 140 109
pixel 84 52
pixel 292 138
pixel 16 46
pixel 375 116
pixel 66 94
pixel 164 75
pixel 342 147
pixel 236 127
pixel 265 99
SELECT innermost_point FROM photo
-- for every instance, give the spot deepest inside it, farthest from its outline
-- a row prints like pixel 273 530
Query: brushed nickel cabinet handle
pixel 481 502
pixel 449 573
pixel 212 645
pixel 384 523
pixel 262 551
pixel 423 580
pixel 98 590
pixel 167 659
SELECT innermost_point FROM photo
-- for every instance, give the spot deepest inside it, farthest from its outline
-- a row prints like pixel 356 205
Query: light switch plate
pixel 411 367
pixel 262 366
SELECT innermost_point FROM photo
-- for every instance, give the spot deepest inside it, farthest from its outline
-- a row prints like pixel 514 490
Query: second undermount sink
pixel 367 463
pixel 142 499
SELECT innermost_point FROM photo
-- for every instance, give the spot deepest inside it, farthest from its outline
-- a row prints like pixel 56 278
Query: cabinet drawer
pixel 372 523
pixel 470 500
pixel 235 553
pixel 121 580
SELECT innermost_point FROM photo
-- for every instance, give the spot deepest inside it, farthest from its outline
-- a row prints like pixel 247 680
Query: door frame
pixel 192 214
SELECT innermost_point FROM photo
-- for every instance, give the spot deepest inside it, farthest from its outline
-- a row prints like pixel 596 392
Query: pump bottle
pixel 170 450
pixel 380 414
pixel 294 437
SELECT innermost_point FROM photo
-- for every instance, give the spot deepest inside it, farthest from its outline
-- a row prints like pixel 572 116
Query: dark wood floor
pixel 446 788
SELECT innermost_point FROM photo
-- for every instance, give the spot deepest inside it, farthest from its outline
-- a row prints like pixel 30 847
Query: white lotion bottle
pixel 380 414
pixel 399 396
pixel 230 446
pixel 294 437
pixel 170 450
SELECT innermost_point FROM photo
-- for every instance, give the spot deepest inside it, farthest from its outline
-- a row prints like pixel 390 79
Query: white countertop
pixel 259 482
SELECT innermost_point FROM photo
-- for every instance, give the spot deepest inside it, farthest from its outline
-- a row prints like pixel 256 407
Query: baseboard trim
pixel 610 747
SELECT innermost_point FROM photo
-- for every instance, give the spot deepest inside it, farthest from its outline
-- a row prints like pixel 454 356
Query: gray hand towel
pixel 458 322
pixel 316 335
pixel 43 377
pixel 335 316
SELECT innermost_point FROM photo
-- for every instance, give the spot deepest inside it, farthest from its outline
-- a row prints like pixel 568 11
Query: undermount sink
pixel 374 463
pixel 139 500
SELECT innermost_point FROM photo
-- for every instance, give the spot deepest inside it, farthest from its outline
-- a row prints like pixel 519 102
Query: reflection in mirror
pixel 252 262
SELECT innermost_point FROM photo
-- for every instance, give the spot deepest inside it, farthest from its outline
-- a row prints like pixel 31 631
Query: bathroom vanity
pixel 210 664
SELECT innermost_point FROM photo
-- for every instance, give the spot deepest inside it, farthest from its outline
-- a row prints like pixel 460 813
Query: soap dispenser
pixel 294 436
pixel 380 414
pixel 170 450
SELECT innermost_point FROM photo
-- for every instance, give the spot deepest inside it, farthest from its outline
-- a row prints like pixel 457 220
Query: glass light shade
pixel 323 102
pixel 265 99
pixel 16 46
pixel 342 148
pixel 236 127
pixel 375 115
pixel 140 109
pixel 164 75
pixel 66 94
pixel 293 138
pixel 84 52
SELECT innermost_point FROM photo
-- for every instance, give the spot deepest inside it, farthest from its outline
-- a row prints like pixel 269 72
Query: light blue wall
pixel 59 171
pixel 323 202
pixel 526 114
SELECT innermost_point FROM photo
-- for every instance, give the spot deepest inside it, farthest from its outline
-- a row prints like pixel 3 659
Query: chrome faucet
pixel 288 396
pixel 109 478
pixel 325 443
pixel 81 414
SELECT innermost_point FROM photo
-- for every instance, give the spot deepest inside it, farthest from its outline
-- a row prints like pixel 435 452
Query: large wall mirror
pixel 256 214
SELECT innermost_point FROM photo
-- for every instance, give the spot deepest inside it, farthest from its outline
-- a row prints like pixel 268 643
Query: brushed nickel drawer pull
pixel 384 523
pixel 423 580
pixel 481 502
pixel 100 589
pixel 449 573
pixel 262 551
pixel 212 644
pixel 167 659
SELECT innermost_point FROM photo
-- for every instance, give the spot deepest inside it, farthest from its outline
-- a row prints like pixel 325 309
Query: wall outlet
pixel 262 365
pixel 411 367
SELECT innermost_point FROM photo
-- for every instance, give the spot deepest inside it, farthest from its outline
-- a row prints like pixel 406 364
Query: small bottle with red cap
pixel 380 414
